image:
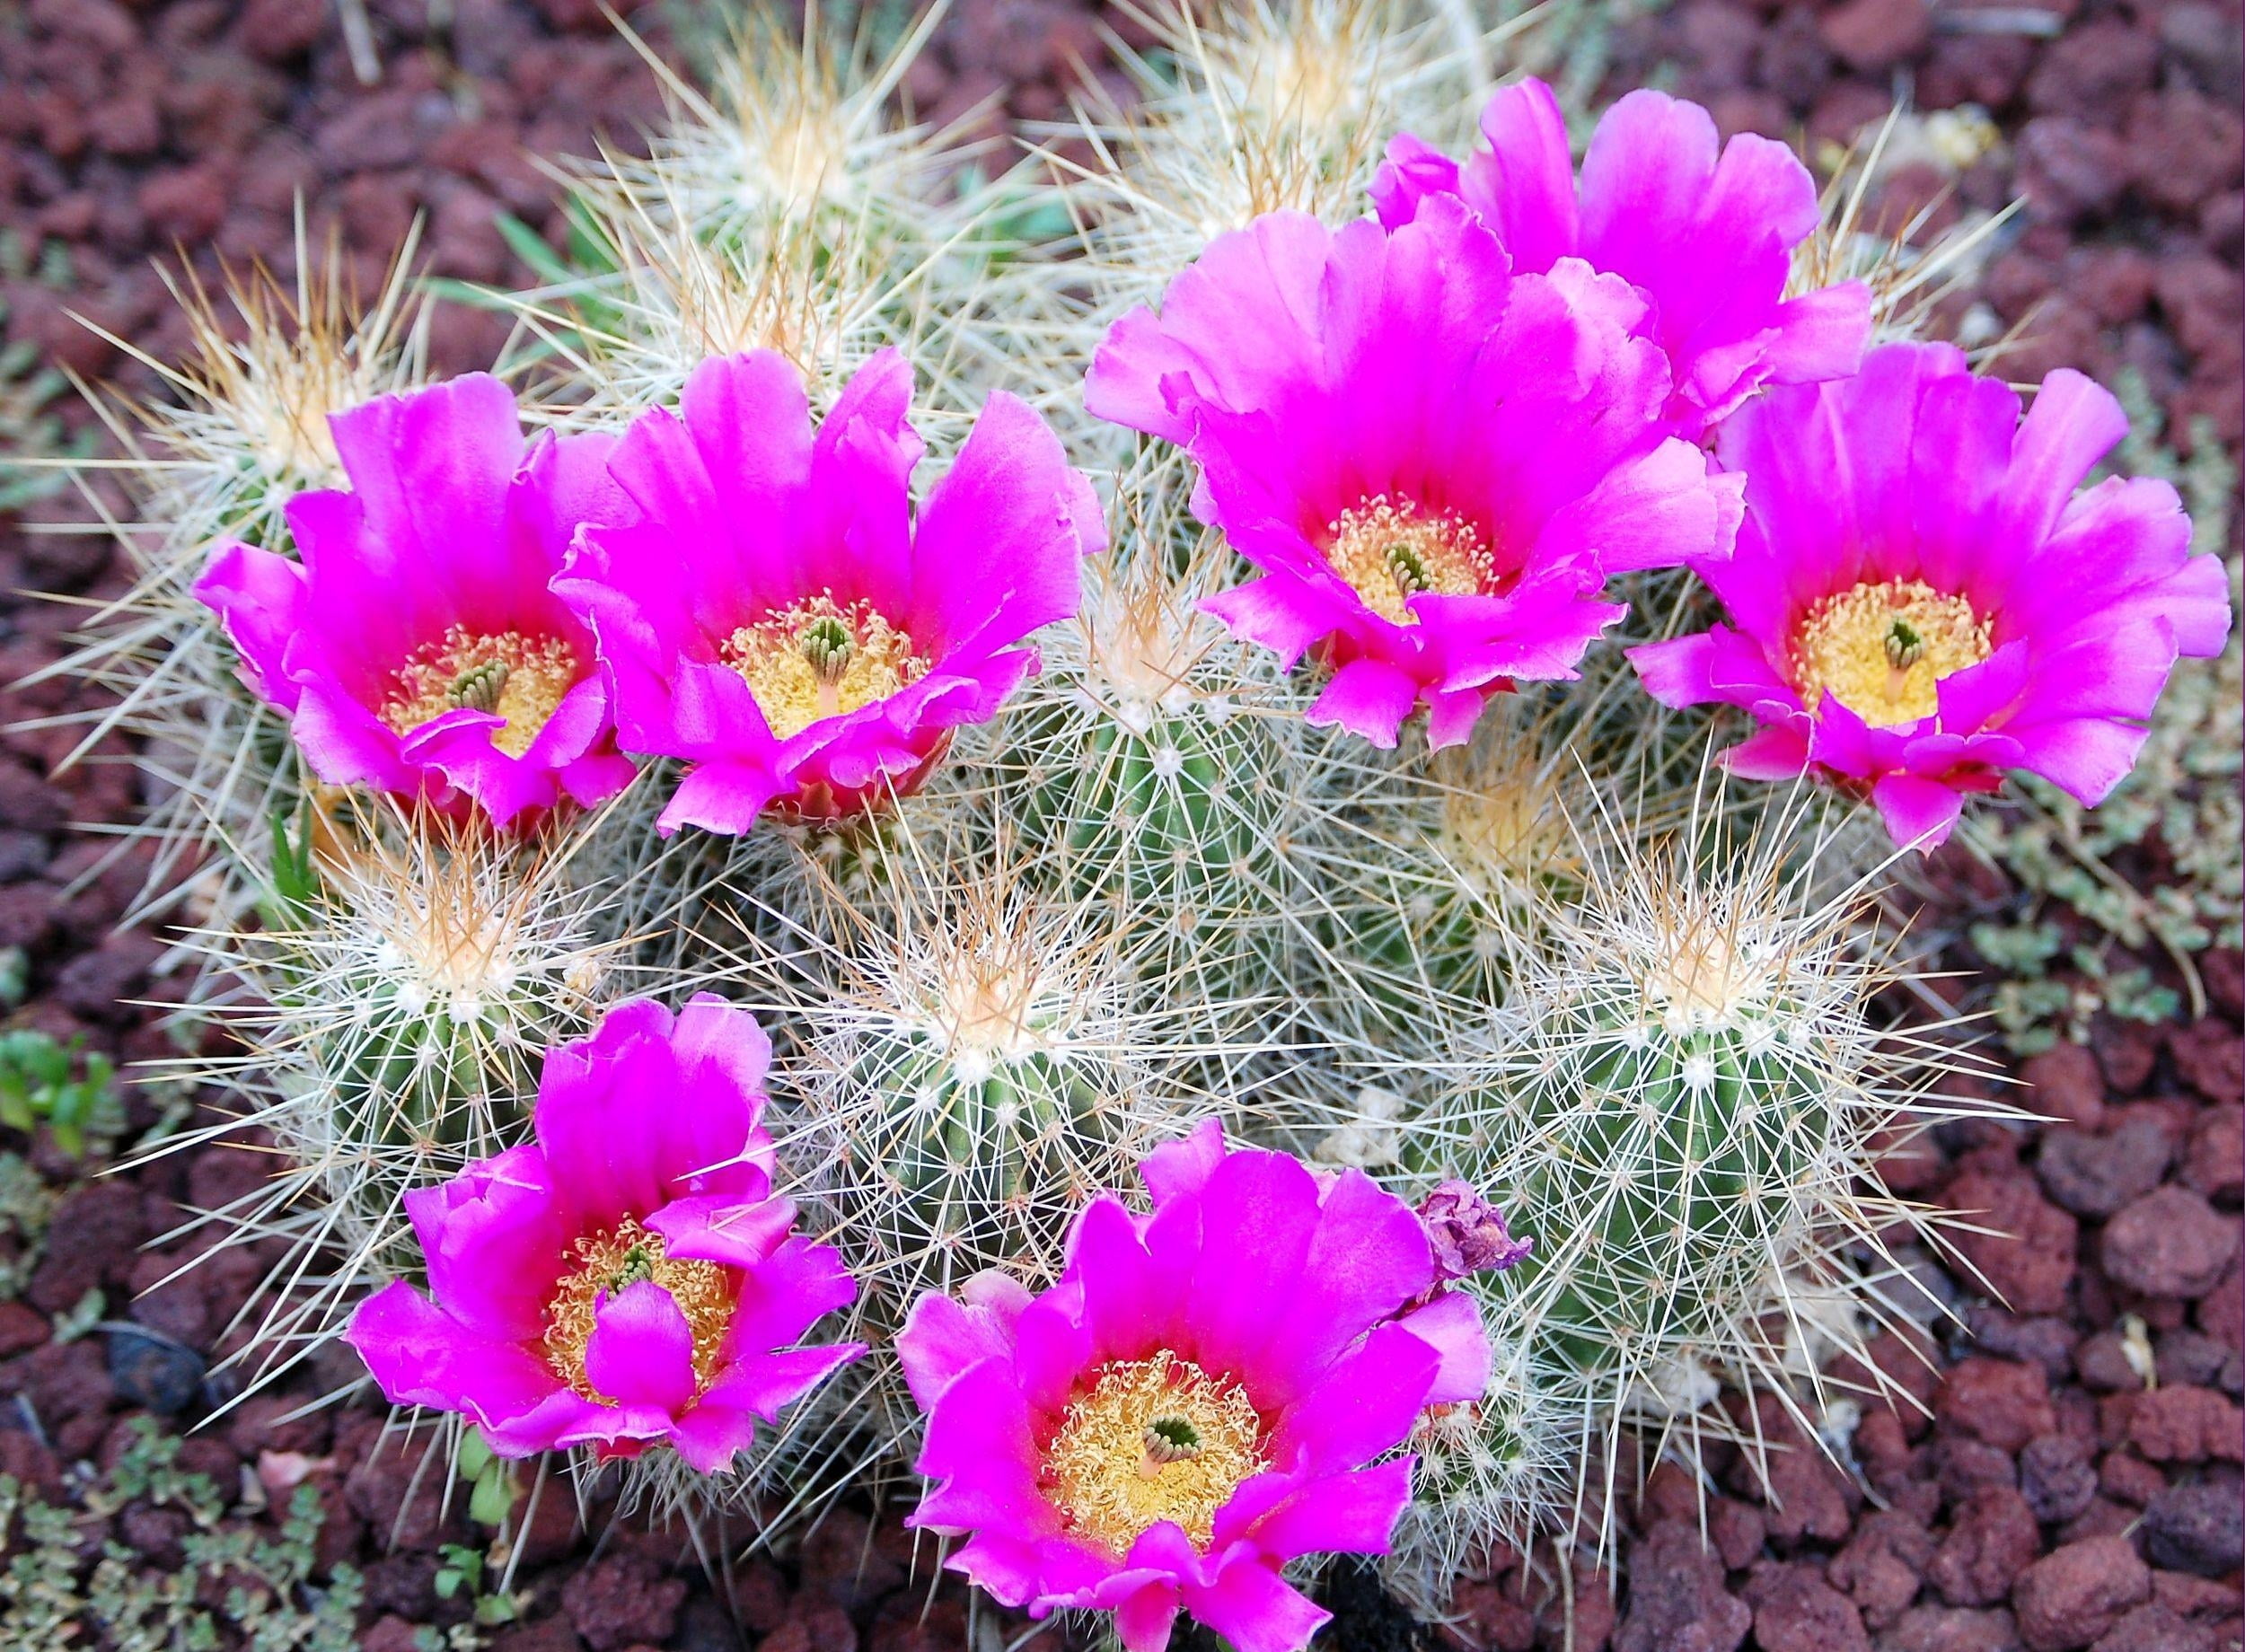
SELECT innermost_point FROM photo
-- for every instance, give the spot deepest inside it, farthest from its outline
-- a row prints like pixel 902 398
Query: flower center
pixel 1152 1440
pixel 817 660
pixel 605 1264
pixel 1882 646
pixel 522 679
pixel 1390 553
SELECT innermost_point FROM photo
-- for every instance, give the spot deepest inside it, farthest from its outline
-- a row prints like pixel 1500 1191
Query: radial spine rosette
pixel 972 1064
pixel 394 1011
pixel 1685 1094
pixel 1246 107
pixel 785 205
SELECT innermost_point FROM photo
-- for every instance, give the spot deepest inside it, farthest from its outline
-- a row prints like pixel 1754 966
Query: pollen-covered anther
pixel 1389 551
pixel 1152 1440
pixel 1883 647
pixel 608 1262
pixel 505 673
pixel 819 659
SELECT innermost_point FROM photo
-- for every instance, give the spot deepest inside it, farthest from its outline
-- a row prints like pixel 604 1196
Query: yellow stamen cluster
pixel 520 677
pixel 818 660
pixel 1152 1440
pixel 1389 552
pixel 1881 646
pixel 605 1263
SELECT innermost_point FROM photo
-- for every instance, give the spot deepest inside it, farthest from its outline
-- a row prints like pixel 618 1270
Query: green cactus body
pixel 1688 1151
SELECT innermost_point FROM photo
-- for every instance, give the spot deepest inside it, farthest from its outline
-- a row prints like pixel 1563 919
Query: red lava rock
pixel 1882 1564
pixel 1737 1531
pixel 1676 1602
pixel 2185 147
pixel 1796 1611
pixel 2221 1312
pixel 1872 35
pixel 89 1244
pixel 2057 1478
pixel 840 1562
pixel 624 1597
pixel 1964 1466
pixel 2095 1174
pixel 2093 69
pixel 2103 1363
pixel 2128 1479
pixel 2215 1163
pixel 1942 1629
pixel 1996 1401
pixel 2197 1528
pixel 818 1626
pixel 551 1634
pixel 2126 1050
pixel 2155 1628
pixel 2068 169
pixel 1802 1493
pixel 2169 1242
pixel 2209 1054
pixel 1993 1538
pixel 2067 1599
pixel 391 1634
pixel 187 206
pixel 2183 1424
pixel 279 29
pixel 22 1329
pixel 2192 1597
pixel 402 1504
pixel 2028 1259
pixel 1493 1619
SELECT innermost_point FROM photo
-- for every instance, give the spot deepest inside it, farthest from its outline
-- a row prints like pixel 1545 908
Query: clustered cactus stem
pixel 1321 770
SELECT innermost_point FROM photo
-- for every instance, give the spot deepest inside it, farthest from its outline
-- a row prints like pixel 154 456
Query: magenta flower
pixel 778 618
pixel 1195 1402
pixel 1708 238
pixel 1435 462
pixel 628 1277
pixel 1921 601
pixel 416 648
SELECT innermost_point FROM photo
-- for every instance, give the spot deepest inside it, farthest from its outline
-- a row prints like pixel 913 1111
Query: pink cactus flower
pixel 1194 1402
pixel 1921 601
pixel 416 648
pixel 1708 238
pixel 627 1279
pixel 1435 462
pixel 777 617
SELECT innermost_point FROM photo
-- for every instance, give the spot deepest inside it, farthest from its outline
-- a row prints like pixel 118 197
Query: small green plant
pixel 492 1489
pixel 269 1592
pixel 15 977
pixel 2036 1006
pixel 27 1206
pixel 33 439
pixel 69 1090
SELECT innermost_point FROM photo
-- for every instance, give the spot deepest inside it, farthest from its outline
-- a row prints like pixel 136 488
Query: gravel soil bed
pixel 2074 1481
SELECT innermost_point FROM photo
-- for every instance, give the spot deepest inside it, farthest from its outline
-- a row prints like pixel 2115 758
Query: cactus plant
pixel 408 981
pixel 1150 772
pixel 1684 1094
pixel 244 429
pixel 970 1063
